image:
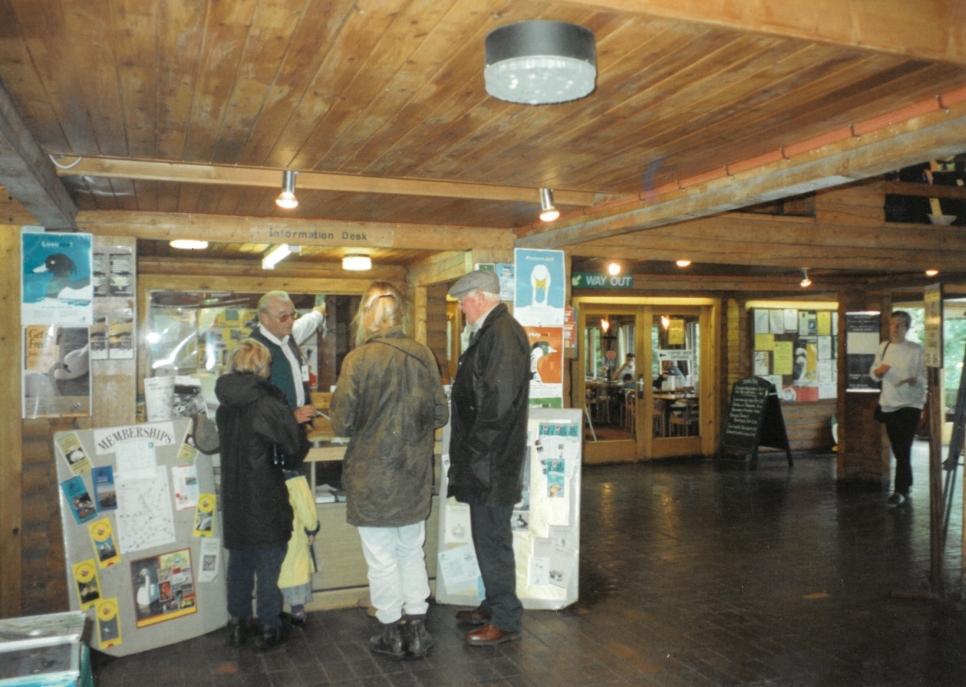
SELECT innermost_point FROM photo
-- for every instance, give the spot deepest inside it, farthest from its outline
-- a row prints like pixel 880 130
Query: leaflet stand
pixel 546 524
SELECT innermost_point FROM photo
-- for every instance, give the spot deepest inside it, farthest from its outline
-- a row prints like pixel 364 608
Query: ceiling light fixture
pixel 613 269
pixel 540 62
pixel 605 325
pixel 683 263
pixel 806 282
pixel 188 244
pixel 932 273
pixel 278 254
pixel 356 263
pixel 286 199
pixel 548 213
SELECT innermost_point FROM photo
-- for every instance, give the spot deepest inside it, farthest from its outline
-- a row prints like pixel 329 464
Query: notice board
pixel 754 419
pixel 142 538
pixel 545 524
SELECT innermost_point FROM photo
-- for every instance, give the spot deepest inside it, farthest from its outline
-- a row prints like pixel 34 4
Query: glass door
pixel 676 381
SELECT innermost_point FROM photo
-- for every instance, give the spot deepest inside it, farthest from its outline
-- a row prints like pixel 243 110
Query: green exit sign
pixel 583 280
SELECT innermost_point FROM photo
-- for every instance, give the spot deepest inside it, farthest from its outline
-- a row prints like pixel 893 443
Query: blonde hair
pixel 382 307
pixel 250 357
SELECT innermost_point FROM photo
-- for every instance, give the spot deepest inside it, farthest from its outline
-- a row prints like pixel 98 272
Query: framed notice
pixel 861 343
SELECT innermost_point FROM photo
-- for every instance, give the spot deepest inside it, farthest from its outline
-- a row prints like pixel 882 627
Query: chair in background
pixel 684 418
pixel 657 418
pixel 628 410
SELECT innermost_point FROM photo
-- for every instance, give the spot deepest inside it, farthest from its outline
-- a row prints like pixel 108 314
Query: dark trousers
pixel 901 426
pixel 493 540
pixel 244 566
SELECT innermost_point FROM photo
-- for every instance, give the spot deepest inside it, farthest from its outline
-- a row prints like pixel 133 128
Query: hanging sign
pixel 584 280
pixel 933 343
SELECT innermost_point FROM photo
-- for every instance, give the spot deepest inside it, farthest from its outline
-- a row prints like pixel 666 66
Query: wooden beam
pixel 244 269
pixel 935 135
pixel 791 242
pixel 167 226
pixel 904 188
pixel 163 282
pixel 158 170
pixel 28 174
pixel 924 30
pixel 11 443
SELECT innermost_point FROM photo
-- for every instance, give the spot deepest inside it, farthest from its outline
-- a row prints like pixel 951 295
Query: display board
pixel 546 523
pixel 142 538
pixel 754 419
pixel 795 349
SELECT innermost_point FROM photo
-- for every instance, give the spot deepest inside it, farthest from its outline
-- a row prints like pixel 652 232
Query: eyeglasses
pixel 286 316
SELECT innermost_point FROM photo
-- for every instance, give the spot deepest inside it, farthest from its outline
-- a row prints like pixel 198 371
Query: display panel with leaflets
pixel 546 522
pixel 142 540
pixel 795 349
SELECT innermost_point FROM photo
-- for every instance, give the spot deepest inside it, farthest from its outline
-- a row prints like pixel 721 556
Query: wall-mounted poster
pixel 56 372
pixel 540 287
pixel 164 587
pixel 546 366
pixel 861 343
pixel 56 282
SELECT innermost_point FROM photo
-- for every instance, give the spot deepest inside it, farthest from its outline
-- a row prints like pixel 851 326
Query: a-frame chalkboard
pixel 754 419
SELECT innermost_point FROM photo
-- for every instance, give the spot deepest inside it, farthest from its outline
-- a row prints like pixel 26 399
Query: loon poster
pixel 56 286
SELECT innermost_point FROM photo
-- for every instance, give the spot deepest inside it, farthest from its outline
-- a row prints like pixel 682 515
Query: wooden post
pixel 936 538
pixel 11 436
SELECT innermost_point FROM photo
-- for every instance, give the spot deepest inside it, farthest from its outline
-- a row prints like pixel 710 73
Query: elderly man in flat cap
pixel 488 447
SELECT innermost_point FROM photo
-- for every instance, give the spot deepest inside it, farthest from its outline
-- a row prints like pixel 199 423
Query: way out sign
pixel 583 280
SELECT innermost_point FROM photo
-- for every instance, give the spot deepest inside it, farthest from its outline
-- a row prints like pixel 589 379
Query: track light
pixel 188 244
pixel 548 213
pixel 356 263
pixel 806 282
pixel 279 254
pixel 286 199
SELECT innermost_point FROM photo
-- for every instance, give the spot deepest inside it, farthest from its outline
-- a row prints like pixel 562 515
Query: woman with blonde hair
pixel 389 400
pixel 256 428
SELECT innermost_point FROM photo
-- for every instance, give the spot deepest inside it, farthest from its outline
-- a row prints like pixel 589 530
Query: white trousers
pixel 398 581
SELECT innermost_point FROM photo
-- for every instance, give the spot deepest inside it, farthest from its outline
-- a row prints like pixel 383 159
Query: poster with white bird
pixel 56 286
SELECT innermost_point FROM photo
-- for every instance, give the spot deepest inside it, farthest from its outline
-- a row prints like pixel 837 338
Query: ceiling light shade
pixel 356 263
pixel 286 199
pixel 540 62
pixel 280 253
pixel 188 244
pixel 683 263
pixel 806 282
pixel 548 213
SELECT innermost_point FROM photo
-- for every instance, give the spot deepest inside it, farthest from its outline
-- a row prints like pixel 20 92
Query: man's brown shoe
pixel 474 617
pixel 489 635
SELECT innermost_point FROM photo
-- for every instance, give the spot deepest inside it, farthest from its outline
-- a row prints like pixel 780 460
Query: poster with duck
pixel 56 286
pixel 56 373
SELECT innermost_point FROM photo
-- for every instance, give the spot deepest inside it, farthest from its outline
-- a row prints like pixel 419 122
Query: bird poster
pixel 546 366
pixel 164 587
pixel 56 283
pixel 56 372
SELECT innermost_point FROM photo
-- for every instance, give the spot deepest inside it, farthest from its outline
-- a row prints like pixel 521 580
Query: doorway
pixel 645 375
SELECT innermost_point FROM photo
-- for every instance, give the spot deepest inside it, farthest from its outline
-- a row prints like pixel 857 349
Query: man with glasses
pixel 282 330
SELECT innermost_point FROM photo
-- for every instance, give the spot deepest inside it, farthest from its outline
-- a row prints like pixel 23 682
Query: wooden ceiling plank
pixel 345 58
pixel 157 170
pixel 28 174
pixel 163 226
pixel 180 39
pixel 226 33
pixel 931 136
pixel 136 44
pixel 932 30
pixel 52 48
pixel 900 188
pixel 313 39
pixel 269 38
pixel 21 78
pixel 393 70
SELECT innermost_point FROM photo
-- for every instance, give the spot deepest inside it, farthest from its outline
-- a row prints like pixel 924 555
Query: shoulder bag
pixel 877 414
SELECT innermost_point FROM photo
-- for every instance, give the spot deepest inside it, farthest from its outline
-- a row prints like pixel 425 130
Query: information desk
pixel 342 579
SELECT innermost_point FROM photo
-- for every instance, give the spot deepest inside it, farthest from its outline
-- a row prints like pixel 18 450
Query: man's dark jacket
pixel 252 416
pixel 490 396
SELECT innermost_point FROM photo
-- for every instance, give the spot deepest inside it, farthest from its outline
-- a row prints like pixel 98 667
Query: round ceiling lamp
pixel 188 244
pixel 356 263
pixel 540 62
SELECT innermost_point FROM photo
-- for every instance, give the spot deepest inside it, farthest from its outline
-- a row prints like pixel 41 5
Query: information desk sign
pixel 754 419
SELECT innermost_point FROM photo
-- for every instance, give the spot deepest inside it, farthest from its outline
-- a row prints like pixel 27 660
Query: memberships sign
pixel 584 280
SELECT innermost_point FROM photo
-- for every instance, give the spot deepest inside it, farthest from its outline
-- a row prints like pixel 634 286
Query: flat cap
pixel 477 280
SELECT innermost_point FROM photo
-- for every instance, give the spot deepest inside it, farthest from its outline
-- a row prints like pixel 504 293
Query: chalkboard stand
pixel 754 419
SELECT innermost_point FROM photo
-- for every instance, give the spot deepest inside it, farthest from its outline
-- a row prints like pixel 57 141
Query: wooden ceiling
pixel 194 107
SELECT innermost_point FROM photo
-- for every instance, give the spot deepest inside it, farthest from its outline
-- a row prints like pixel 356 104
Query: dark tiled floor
pixel 692 573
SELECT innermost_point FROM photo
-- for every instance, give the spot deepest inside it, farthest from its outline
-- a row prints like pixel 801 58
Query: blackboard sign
pixel 754 419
